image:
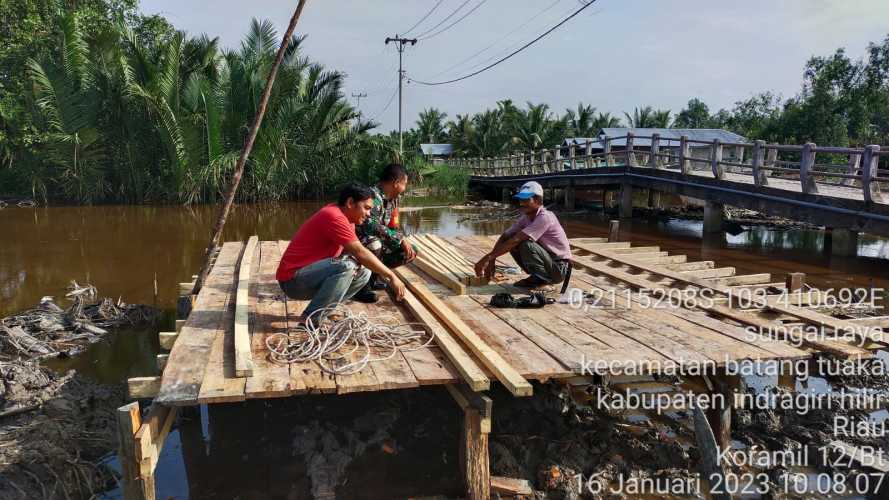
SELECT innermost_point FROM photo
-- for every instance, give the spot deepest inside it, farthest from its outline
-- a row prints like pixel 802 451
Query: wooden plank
pixel 167 339
pixel 716 272
pixel 243 354
pixel 446 252
pixel 143 387
pixel 182 378
pixel 462 362
pixel 490 359
pixel 179 324
pixel 162 362
pixel 448 247
pixel 269 379
pixel 747 279
pixel 392 373
pixel 444 277
pixel 150 438
pixel 429 365
pixel 221 384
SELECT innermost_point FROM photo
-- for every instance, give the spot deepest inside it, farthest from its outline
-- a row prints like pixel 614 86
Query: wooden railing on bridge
pixel 843 165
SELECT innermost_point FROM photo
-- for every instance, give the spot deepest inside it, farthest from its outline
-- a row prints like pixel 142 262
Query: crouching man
pixel 536 241
pixel 325 262
pixel 381 232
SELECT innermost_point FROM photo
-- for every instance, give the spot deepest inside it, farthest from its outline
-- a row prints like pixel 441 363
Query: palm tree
pixel 431 125
pixel 648 117
pixel 461 134
pixel 535 127
pixel 581 123
pixel 605 120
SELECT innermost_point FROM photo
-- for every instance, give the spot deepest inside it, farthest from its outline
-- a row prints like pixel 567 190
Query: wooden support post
pixel 713 216
pixel 712 471
pixel 720 417
pixel 134 486
pixel 869 164
pixel 684 164
pixel 587 153
pixel 474 455
pixel 544 167
pixel 571 156
pixel 716 160
pixel 557 160
pixel 607 151
pixel 569 197
pixel 631 155
pixel 613 231
pixel 739 154
pixel 653 158
pixel 852 169
pixel 795 281
pixel 806 169
pixel 759 177
pixel 771 159
pixel 505 195
pixel 625 210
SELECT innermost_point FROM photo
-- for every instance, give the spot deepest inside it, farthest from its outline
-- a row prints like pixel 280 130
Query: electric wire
pixel 520 49
pixel 389 103
pixel 430 30
pixel 495 42
pixel 423 18
pixel 464 16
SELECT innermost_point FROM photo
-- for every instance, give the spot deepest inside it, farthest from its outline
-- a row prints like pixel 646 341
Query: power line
pixel 424 17
pixel 535 16
pixel 400 42
pixel 523 47
pixel 464 16
pixel 388 103
pixel 430 30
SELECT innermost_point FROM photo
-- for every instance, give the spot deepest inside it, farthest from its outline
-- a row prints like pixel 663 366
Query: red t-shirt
pixel 320 237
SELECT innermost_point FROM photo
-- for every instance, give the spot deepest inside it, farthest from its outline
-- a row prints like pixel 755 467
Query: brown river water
pixel 268 449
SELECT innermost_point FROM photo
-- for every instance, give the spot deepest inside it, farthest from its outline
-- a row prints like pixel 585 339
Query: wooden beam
pixel 167 339
pixel 143 387
pixel 149 439
pixel 505 373
pixel 162 362
pixel 709 450
pixel 179 324
pixel 472 374
pixel 466 399
pixel 474 457
pixel 795 281
pixel 243 353
pixel 134 487
pixel 443 276
pixel 508 486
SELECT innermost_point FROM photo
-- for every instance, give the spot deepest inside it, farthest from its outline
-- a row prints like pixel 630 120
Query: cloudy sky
pixel 615 55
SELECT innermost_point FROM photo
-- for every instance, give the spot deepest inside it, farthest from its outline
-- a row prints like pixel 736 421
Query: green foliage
pixel 132 110
pixel 446 181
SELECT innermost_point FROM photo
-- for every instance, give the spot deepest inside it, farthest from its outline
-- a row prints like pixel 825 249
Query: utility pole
pixel 399 44
pixel 358 97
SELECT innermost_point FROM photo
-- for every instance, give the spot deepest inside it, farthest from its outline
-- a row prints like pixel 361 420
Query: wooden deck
pixel 540 344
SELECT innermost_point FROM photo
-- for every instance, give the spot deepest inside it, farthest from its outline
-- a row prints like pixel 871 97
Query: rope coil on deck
pixel 332 335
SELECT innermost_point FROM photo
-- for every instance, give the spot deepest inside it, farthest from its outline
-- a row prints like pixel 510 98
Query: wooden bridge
pixel 219 352
pixel 839 188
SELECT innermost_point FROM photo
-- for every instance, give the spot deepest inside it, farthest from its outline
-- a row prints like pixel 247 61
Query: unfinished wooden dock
pixel 219 353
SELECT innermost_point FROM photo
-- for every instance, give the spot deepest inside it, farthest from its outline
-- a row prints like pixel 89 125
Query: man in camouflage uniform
pixel 381 232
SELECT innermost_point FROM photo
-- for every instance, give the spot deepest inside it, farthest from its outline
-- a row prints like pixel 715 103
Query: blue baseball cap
pixel 528 190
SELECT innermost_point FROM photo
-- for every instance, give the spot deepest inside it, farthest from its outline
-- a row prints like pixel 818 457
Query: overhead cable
pixel 513 53
pixel 464 16
pixel 406 33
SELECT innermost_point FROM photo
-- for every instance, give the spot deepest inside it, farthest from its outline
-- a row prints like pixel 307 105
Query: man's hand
pixel 481 267
pixel 489 271
pixel 409 253
pixel 396 286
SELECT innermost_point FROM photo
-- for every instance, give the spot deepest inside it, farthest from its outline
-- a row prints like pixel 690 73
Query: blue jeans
pixel 326 282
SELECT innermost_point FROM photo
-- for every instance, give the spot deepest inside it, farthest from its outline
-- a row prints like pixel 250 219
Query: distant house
pixel 436 153
pixel 669 141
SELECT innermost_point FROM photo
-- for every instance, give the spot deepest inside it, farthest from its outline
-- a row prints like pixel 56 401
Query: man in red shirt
pixel 314 267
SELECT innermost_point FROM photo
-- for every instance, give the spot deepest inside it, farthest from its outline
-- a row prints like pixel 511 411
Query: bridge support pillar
pixel 569 198
pixel 626 201
pixel 713 215
pixel 844 243
pixel 504 195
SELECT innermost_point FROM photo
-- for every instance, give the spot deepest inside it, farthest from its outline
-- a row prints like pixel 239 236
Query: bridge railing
pixel 811 165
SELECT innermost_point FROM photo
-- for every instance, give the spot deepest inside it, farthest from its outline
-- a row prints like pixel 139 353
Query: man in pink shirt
pixel 536 241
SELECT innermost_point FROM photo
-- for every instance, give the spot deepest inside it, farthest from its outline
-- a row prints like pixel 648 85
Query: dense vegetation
pixel 114 106
pixel 99 103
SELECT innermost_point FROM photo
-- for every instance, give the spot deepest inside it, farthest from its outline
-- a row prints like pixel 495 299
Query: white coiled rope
pixel 343 342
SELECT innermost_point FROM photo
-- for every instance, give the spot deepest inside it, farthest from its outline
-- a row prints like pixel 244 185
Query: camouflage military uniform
pixel 383 224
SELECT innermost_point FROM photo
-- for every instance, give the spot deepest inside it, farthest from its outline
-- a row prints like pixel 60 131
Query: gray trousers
pixel 536 261
pixel 326 282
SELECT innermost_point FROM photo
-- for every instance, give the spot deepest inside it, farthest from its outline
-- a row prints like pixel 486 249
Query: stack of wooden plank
pixel 439 259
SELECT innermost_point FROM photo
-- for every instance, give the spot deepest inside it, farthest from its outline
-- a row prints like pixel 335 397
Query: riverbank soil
pixel 54 429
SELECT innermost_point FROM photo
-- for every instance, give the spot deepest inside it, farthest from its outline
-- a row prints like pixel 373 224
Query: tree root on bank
pixel 48 330
pixel 53 432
